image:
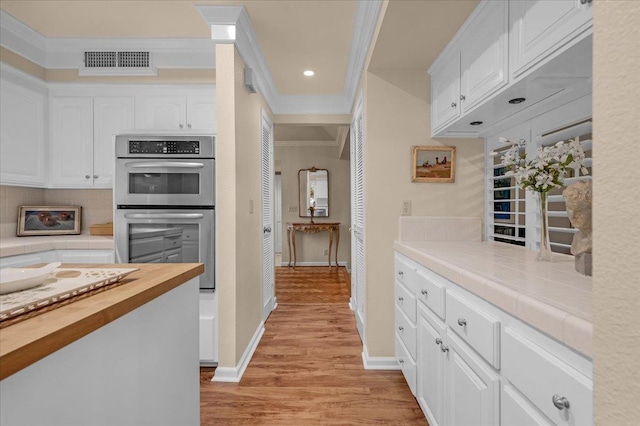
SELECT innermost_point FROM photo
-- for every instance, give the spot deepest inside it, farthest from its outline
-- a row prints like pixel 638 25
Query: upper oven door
pixel 164 182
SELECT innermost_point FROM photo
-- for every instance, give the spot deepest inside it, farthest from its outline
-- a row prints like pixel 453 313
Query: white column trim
pixel 380 362
pixel 234 374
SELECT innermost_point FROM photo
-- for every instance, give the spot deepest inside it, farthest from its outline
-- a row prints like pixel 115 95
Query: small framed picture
pixel 434 164
pixel 49 220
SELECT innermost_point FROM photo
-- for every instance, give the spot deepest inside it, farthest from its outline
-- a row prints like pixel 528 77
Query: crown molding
pixel 18 37
pixel 364 27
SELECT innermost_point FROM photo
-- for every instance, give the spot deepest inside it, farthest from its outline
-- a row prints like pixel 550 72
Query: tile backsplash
pixel 97 204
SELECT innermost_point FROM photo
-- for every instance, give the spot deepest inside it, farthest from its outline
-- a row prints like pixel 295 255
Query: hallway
pixel 307 369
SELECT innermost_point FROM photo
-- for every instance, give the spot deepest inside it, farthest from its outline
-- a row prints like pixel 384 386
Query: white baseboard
pixel 352 304
pixel 234 374
pixel 341 263
pixel 378 363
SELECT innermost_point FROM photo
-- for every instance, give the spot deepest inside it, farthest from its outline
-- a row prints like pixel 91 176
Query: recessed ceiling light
pixel 309 73
pixel 517 100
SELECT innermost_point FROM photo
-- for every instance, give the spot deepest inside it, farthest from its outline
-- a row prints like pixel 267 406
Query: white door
pixel 268 260
pixel 472 389
pixel 161 112
pixel 72 142
pixel 111 115
pixel 445 86
pixel 201 112
pixel 278 212
pixel 357 218
pixel 431 367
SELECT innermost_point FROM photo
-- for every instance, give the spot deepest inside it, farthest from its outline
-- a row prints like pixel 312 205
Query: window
pixel 512 215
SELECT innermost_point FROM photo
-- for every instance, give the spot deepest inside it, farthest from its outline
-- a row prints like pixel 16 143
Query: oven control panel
pixel 165 147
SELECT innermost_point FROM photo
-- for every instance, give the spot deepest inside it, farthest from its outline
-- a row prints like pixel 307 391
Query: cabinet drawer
pixel 516 410
pixel 149 258
pixel 430 292
pixel 405 274
pixel 540 375
pixel 406 301
pixel 144 246
pixel 479 329
pixel 407 331
pixel 407 364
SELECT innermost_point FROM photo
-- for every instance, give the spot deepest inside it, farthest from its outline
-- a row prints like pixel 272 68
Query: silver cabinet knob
pixel 401 328
pixel 463 97
pixel 453 104
pixel 95 176
pixel 400 273
pixel 87 176
pixel 462 322
pixel 438 341
pixel 560 402
pixel 401 361
pixel 444 348
pixel 425 292
pixel 189 125
pixel 400 299
pixel 181 126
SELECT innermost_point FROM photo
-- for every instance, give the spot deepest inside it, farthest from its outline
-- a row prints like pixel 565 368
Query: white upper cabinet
pixel 82 137
pixel 483 57
pixel 111 116
pixel 177 112
pixel 71 142
pixel 541 28
pixel 22 138
pixel 473 66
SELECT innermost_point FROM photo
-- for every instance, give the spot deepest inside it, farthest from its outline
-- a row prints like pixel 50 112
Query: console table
pixel 312 228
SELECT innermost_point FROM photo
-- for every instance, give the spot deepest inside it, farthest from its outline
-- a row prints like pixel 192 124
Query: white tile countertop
pixel 23 245
pixel 550 296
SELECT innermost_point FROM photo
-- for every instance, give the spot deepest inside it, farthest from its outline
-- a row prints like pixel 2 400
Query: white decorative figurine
pixel 578 197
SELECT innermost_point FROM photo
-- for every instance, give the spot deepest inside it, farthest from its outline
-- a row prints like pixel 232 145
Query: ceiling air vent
pixel 117 63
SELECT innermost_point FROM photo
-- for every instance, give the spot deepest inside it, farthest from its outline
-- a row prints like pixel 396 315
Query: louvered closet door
pixel 357 218
pixel 268 260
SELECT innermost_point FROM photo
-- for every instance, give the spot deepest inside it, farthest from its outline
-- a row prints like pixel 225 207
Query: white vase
pixel 545 254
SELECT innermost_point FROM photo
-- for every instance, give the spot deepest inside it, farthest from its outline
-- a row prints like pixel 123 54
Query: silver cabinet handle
pixel 444 348
pixel 95 176
pixel 266 229
pixel 189 125
pixel 181 126
pixel 400 299
pixel 165 164
pixel 425 292
pixel 400 273
pixel 87 176
pixel 438 341
pixel 462 322
pixel 453 104
pixel 463 98
pixel 560 402
pixel 401 361
pixel 401 328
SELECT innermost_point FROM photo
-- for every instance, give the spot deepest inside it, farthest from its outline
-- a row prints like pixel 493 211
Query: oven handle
pixel 163 215
pixel 164 164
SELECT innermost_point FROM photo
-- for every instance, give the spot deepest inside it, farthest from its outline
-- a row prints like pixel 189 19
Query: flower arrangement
pixel 542 174
pixel 548 170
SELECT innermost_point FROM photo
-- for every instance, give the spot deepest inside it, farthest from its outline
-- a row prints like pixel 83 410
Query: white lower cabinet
pixel 64 256
pixel 471 364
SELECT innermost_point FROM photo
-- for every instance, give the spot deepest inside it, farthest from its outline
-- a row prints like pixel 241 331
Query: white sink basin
pixel 16 279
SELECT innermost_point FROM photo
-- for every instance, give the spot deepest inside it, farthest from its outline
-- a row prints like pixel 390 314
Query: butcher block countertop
pixel 27 342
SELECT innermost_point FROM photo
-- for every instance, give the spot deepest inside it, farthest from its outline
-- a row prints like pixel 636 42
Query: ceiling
pixel 294 35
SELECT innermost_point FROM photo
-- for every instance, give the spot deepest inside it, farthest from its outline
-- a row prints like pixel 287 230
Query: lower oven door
pixel 167 236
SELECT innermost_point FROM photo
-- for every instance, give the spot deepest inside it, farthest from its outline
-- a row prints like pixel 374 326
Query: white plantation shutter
pixel 268 259
pixel 358 264
pixel 560 229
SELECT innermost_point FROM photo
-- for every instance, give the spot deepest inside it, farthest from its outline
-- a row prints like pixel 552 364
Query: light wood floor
pixel 307 369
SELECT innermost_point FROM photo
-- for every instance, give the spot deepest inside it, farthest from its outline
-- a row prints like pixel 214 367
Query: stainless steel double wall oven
pixel 165 200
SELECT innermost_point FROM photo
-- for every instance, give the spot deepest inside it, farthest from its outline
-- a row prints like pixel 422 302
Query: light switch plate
pixel 293 209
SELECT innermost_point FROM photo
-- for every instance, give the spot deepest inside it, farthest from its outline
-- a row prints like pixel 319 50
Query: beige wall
pixel 97 204
pixel 396 119
pixel 239 229
pixel 616 234
pixel 310 247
